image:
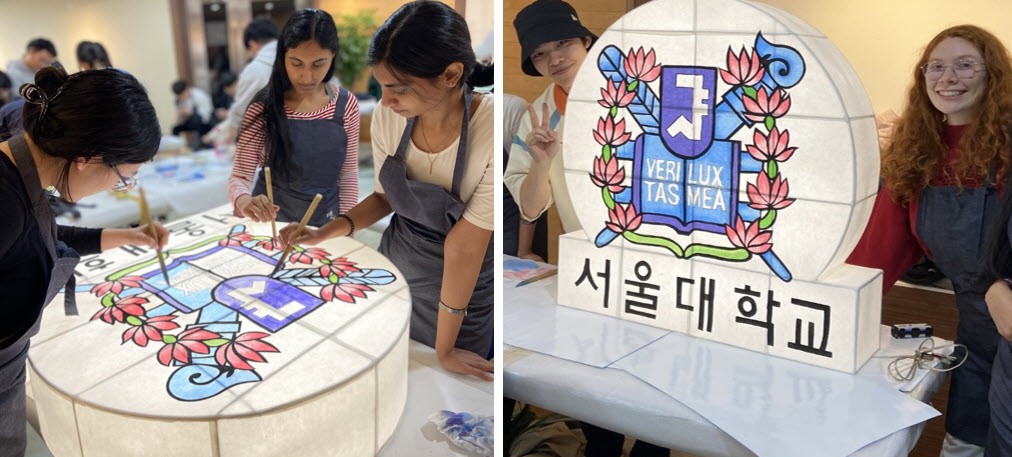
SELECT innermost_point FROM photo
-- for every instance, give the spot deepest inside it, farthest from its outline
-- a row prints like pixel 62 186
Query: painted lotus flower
pixel 117 285
pixel 623 220
pixel 744 69
pixel 608 133
pixel 268 244
pixel 308 255
pixel 245 348
pixel 608 174
pixel 345 292
pixel 150 330
pixel 121 309
pixel 769 194
pixel 615 95
pixel 236 239
pixel 772 146
pixel 751 238
pixel 340 267
pixel 641 66
pixel 767 105
pixel 180 347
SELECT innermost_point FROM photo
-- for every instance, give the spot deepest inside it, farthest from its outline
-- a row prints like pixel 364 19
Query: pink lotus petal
pixel 151 332
pixel 236 360
pixel 165 354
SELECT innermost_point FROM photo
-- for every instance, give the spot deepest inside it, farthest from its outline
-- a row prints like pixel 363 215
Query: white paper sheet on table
pixel 775 407
pixel 430 389
pixel 567 333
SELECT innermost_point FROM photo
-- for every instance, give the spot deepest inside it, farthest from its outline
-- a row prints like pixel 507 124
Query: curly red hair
pixel 917 152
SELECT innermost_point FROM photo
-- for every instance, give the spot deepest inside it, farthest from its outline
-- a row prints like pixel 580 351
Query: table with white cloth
pixel 599 392
pixel 175 186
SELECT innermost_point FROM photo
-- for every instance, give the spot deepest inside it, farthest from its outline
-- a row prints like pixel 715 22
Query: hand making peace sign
pixel 542 142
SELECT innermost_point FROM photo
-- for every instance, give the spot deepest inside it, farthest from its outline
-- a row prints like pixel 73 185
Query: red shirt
pixel 890 242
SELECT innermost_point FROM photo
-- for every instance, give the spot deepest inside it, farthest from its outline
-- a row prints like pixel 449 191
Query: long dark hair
pixel 93 53
pixel 93 113
pixel 306 24
pixel 422 38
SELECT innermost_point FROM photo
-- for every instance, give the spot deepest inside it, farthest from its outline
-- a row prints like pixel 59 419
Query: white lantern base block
pixel 354 419
pixel 831 323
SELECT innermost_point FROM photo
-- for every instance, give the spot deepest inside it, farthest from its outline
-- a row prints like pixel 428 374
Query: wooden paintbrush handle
pixel 302 224
pixel 270 196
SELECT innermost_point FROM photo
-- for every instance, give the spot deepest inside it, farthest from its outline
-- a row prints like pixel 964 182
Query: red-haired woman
pixel 949 148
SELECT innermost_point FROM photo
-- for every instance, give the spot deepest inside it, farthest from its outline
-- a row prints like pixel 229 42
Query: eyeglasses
pixel 964 69
pixel 125 183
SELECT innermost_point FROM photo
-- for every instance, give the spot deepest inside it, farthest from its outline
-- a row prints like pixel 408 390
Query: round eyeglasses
pixel 963 69
pixel 125 182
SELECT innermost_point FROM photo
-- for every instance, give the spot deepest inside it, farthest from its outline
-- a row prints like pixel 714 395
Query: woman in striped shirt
pixel 304 128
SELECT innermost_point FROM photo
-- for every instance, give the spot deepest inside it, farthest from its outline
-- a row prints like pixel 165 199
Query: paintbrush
pixel 537 278
pixel 146 219
pixel 298 231
pixel 270 196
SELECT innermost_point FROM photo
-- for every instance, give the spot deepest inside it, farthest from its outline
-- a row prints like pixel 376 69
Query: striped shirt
pixel 249 148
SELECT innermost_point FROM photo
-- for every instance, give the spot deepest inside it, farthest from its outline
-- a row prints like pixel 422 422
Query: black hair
pixel 422 38
pixel 261 31
pixel 5 81
pixel 304 25
pixel 42 44
pixel 79 111
pixel 93 54
pixel 179 86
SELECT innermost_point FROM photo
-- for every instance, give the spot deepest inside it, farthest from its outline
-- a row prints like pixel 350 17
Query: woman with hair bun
pixel 949 149
pixel 433 149
pixel 67 145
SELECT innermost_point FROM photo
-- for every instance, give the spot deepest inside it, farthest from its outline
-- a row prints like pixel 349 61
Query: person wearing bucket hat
pixel 553 44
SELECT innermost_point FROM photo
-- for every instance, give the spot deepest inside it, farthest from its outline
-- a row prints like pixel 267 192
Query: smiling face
pixel 307 64
pixel 959 99
pixel 560 60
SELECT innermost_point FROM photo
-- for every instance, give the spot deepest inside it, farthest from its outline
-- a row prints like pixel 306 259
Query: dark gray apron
pixel 999 440
pixel 952 223
pixel 12 358
pixel 424 213
pixel 319 150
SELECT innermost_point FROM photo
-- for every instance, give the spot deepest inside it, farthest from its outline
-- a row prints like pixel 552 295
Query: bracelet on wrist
pixel 462 311
pixel 351 223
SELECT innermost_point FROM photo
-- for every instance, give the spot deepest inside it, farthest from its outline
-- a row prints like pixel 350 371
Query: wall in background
pixel 137 35
pixel 596 15
pixel 881 39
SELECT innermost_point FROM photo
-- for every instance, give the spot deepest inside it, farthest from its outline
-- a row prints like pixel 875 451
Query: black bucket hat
pixel 544 21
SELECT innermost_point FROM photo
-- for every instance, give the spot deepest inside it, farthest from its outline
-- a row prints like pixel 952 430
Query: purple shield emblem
pixel 687 95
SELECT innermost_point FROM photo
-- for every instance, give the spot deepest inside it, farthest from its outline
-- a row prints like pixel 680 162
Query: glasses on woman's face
pixel 963 69
pixel 125 183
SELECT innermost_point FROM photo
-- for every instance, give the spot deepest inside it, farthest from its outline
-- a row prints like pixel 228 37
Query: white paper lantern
pixel 723 141
pixel 227 360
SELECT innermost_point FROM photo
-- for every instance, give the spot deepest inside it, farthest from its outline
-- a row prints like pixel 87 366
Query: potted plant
pixel 354 33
